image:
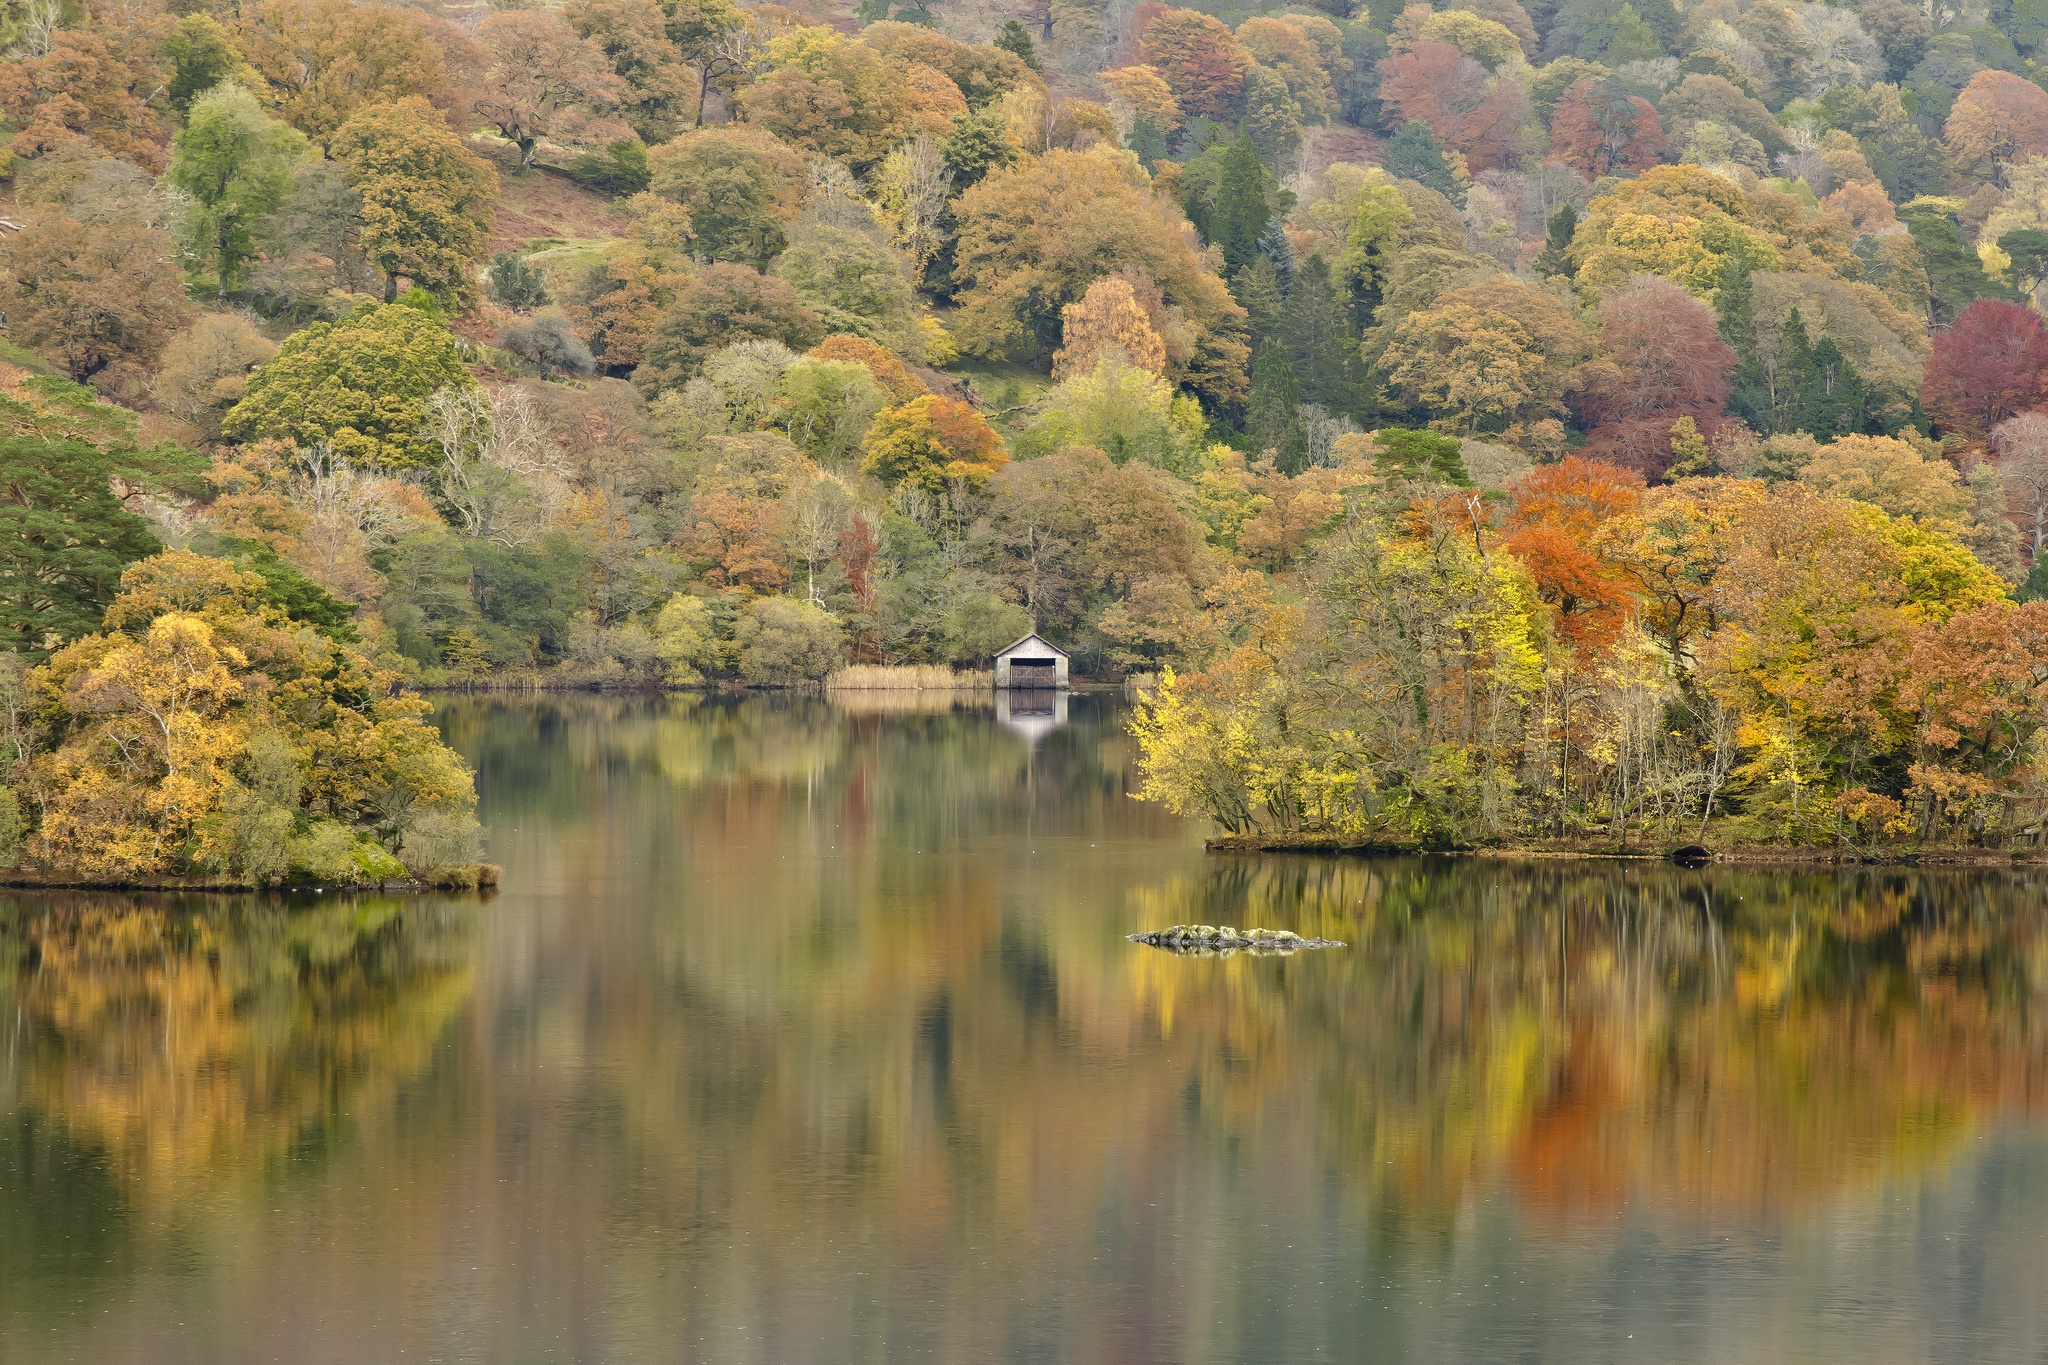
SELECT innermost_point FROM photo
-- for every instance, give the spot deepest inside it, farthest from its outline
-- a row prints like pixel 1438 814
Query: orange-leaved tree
pixel 1108 317
pixel 1552 526
pixel 1199 59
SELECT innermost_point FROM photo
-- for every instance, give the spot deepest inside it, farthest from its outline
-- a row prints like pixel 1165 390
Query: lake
pixel 806 1033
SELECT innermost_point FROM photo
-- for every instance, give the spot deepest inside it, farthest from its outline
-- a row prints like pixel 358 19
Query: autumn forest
pixel 1573 422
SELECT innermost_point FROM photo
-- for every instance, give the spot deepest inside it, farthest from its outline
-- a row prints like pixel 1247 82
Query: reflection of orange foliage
pixel 1836 1030
pixel 1565 1160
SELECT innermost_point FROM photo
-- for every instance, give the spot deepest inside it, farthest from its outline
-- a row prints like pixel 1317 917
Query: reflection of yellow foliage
pixel 194 1046
pixel 1591 1034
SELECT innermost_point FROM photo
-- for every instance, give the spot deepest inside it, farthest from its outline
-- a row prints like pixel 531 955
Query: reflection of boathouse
pixel 1033 713
pixel 1031 662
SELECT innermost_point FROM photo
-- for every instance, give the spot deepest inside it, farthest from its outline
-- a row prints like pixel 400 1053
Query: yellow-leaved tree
pixel 1107 319
pixel 204 732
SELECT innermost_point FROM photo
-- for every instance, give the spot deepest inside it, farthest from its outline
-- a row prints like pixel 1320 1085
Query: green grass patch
pixel 1000 384
pixel 556 253
pixel 20 355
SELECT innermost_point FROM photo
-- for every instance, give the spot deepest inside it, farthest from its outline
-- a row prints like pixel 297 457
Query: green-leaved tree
pixel 64 537
pixel 427 201
pixel 361 385
pixel 237 163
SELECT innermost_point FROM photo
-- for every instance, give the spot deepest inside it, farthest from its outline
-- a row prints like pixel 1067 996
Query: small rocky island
pixel 1210 938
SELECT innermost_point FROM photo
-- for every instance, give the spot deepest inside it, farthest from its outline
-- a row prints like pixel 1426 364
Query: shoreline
pixel 1682 854
pixel 461 877
pixel 518 685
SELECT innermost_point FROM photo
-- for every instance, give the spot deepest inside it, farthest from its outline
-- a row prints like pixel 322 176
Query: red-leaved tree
pixel 1660 359
pixel 1598 127
pixel 1992 363
pixel 1464 106
pixel 1435 85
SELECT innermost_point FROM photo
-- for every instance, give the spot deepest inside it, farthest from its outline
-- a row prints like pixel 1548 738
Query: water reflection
pixel 1033 713
pixel 180 1044
pixel 1723 1043
pixel 807 1033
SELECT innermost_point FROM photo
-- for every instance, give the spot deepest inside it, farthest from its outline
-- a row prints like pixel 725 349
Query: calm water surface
pixel 806 1035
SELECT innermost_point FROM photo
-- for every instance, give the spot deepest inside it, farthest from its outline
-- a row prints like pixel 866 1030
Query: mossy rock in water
pixel 1226 938
pixel 374 863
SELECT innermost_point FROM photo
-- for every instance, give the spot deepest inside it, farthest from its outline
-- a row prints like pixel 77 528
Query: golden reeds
pixel 907 678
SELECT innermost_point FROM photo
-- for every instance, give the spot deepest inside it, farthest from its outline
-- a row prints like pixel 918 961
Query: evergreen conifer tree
pixel 1146 142
pixel 1955 277
pixel 1792 381
pixel 2035 588
pixel 1273 242
pixel 1414 155
pixel 1321 343
pixel 1837 400
pixel 1273 417
pixel 1553 260
pixel 1257 289
pixel 1402 452
pixel 2027 249
pixel 1015 39
pixel 1749 393
pixel 1241 211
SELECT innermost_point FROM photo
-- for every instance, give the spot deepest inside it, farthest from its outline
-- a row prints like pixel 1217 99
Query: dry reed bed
pixel 907 678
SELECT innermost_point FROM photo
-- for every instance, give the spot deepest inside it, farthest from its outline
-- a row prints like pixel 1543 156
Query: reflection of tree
pixel 805 1028
pixel 191 1038
pixel 1722 1041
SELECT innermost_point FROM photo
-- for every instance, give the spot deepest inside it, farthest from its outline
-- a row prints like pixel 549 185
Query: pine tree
pixel 1257 289
pixel 1273 242
pixel 1414 155
pixel 1015 39
pixel 1402 452
pixel 1793 377
pixel 1955 277
pixel 1239 218
pixel 2027 249
pixel 1273 418
pixel 1553 260
pixel 1836 401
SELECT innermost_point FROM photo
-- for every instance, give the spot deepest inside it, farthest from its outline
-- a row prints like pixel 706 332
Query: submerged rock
pixel 1212 938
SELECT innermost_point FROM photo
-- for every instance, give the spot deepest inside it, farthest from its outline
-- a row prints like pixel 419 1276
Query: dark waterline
pixel 807 1035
